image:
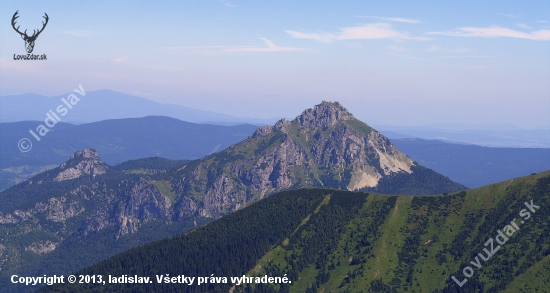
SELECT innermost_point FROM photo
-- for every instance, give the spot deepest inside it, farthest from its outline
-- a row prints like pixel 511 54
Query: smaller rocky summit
pixel 82 196
pixel 84 162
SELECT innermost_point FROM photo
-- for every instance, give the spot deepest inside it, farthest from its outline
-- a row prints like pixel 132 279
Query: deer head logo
pixel 29 40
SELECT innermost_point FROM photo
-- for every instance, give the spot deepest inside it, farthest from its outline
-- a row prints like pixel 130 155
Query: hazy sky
pixel 388 62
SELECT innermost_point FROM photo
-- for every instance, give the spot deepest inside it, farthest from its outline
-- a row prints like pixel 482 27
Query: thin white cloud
pixel 465 56
pixel 226 3
pixel 495 32
pixel 400 19
pixel 395 19
pixel 508 15
pixel 121 59
pixel 432 48
pixel 79 33
pixel 523 25
pixel 271 47
pixel 362 32
pixel 322 37
pixel 269 43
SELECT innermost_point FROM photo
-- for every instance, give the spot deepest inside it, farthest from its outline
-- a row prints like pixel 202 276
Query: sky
pixel 388 62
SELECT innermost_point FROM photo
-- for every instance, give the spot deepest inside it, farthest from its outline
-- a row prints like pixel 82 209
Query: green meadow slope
pixel 491 239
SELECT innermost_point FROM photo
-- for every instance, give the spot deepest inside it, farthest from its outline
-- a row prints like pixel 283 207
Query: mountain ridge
pixel 93 107
pixel 85 204
pixel 341 241
pixel 116 140
pixel 484 165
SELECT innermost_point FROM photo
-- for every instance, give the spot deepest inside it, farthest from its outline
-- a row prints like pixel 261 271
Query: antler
pixel 35 34
pixel 15 16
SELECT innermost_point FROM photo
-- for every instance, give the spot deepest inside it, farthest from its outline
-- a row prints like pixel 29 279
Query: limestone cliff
pixel 84 162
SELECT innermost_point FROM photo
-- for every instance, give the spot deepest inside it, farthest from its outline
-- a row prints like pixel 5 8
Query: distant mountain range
pixel 101 105
pixel 493 136
pixel 119 140
pixel 491 239
pixel 472 165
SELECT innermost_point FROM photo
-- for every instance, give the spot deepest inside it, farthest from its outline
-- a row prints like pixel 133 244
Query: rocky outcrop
pixel 3 256
pixel 58 209
pixel 55 210
pixel 262 131
pixel 15 217
pixel 141 203
pixel 7 219
pixel 84 162
pixel 100 220
pixel 42 247
pixel 324 115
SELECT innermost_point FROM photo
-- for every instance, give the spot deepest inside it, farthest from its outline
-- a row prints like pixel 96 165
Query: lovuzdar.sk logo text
pixel 29 40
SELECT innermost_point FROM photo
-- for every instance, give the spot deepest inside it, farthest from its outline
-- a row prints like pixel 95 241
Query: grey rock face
pixel 41 247
pixel 141 203
pixel 89 206
pixel 58 209
pixel 262 131
pixel 324 115
pixel 84 162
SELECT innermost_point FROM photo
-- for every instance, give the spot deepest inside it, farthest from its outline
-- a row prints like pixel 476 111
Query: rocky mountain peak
pixel 325 146
pixel 83 162
pixel 85 154
pixel 324 115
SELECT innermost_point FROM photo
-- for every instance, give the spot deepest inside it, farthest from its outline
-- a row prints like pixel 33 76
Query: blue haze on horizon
pixel 395 63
